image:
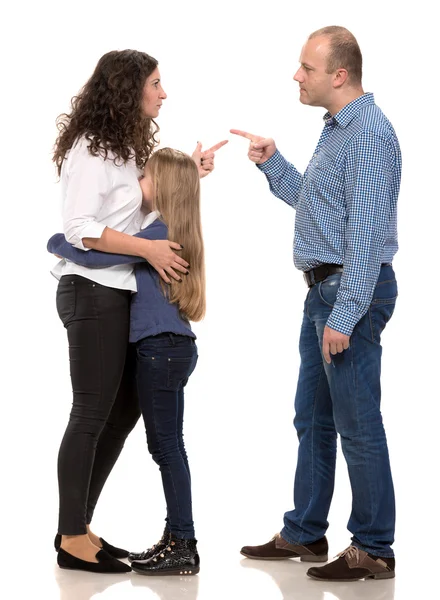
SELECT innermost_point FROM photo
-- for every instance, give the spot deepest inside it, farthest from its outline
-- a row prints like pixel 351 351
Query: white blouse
pixel 96 194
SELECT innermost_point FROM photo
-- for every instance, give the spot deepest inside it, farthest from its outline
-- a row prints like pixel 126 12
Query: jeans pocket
pixel 146 353
pixel 179 369
pixel 328 289
pixel 66 301
pixel 381 312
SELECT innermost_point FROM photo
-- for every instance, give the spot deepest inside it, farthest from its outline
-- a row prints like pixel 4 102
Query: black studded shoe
pixel 179 558
pixel 112 550
pixel 150 552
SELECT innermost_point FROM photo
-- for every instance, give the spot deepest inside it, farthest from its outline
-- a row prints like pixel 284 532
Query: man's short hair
pixel 344 52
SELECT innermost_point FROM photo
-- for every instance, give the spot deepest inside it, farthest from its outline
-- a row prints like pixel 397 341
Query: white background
pixel 223 65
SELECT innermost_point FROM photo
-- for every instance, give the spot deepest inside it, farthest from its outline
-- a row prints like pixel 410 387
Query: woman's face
pixel 153 95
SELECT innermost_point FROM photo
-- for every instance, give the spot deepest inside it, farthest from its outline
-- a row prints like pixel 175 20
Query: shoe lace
pixel 350 552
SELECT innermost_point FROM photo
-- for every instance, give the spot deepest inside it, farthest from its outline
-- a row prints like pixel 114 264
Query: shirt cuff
pixel 93 229
pixel 343 321
pixel 273 165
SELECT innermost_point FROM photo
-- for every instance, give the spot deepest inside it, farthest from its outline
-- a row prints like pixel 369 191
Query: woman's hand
pixel 205 159
pixel 160 255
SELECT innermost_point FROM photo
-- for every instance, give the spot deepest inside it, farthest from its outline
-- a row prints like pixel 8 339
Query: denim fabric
pixel 164 364
pixel 343 398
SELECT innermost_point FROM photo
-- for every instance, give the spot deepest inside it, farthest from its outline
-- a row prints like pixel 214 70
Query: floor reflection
pixel 75 585
pixel 169 587
pixel 293 583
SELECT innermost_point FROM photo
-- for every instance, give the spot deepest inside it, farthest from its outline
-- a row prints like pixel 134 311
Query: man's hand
pixel 205 159
pixel 160 255
pixel 333 342
pixel 260 148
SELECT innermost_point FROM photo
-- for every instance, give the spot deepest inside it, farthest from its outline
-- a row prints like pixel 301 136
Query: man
pixel 345 241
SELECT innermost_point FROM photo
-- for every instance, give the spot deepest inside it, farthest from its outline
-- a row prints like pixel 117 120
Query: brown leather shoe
pixel 354 564
pixel 279 549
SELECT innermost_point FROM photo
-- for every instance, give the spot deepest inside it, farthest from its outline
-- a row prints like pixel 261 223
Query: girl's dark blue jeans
pixel 164 364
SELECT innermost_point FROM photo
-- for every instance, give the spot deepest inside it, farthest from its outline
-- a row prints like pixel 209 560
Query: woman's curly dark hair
pixel 108 111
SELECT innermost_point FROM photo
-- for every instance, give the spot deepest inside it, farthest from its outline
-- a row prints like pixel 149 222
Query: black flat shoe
pixel 150 552
pixel 106 564
pixel 179 558
pixel 112 550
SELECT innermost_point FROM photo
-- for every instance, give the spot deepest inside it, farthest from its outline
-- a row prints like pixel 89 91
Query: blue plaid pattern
pixel 346 203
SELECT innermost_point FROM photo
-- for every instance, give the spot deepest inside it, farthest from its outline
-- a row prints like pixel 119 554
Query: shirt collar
pixel 348 113
pixel 150 218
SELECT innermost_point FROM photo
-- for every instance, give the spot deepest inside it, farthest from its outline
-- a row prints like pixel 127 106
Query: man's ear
pixel 340 78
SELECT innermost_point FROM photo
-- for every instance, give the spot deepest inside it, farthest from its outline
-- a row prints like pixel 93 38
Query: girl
pixel 103 144
pixel 165 346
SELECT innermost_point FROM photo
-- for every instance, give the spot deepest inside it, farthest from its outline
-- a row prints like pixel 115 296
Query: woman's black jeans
pixel 164 363
pixel 105 406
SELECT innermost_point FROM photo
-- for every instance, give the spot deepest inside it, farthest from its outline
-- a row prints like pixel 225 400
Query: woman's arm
pixel 87 188
pixel 93 259
pixel 97 259
pixel 157 252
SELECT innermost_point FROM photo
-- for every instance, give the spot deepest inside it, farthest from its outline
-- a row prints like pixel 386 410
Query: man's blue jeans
pixel 343 398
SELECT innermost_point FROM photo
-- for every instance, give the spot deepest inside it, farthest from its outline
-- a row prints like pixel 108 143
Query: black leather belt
pixel 323 271
pixel 320 273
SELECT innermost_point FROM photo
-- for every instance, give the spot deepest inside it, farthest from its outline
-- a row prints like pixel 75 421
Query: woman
pixel 103 143
pixel 165 345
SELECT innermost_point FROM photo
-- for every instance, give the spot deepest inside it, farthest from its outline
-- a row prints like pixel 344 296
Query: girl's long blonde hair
pixel 176 196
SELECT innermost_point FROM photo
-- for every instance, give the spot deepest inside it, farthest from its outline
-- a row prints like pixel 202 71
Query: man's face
pixel 316 86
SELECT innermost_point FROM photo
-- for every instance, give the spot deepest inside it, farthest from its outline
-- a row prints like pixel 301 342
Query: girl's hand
pixel 205 160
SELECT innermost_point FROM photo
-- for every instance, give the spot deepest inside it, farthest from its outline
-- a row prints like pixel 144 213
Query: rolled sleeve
pixel 89 229
pixel 87 185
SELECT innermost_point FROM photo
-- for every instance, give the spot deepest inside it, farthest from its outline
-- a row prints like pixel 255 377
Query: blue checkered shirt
pixel 345 203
